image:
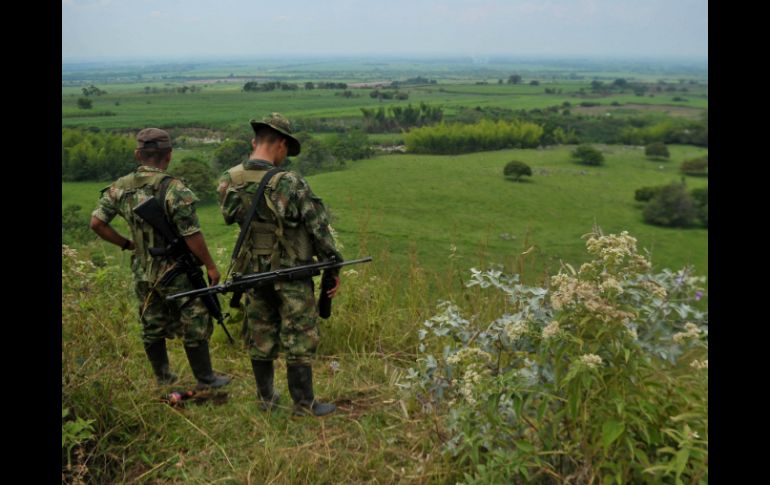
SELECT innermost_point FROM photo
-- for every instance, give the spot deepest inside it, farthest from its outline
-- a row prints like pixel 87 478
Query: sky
pixel 192 29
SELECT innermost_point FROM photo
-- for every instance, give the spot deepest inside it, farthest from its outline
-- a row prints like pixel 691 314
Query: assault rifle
pixel 240 283
pixel 151 212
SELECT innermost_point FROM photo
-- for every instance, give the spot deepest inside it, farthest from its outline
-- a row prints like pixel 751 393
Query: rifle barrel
pixel 254 279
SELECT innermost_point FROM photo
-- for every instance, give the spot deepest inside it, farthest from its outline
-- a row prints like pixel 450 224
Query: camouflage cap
pixel 279 123
pixel 153 138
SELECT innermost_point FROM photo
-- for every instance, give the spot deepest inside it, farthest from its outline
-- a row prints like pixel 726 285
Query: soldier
pixel 289 228
pixel 154 277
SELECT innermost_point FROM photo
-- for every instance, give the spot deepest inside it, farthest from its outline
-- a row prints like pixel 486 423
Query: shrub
pixel 645 194
pixel 85 103
pixel 600 378
pixel 198 176
pixel 701 198
pixel 515 169
pixel 656 150
pixel 588 155
pixel 696 166
pixel 230 153
pixel 481 136
pixel 672 206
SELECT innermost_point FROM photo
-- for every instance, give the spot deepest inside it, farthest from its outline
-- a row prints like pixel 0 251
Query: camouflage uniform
pixel 284 313
pixel 160 318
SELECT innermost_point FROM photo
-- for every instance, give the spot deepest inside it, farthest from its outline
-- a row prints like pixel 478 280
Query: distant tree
pixel 516 169
pixel 309 85
pixel 230 153
pixel 514 79
pixel 499 81
pixel 198 175
pixel 588 155
pixel 701 198
pixel 85 103
pixel 656 150
pixel 534 82
pixel 620 82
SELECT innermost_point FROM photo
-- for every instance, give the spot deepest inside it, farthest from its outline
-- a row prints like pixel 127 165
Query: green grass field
pixel 409 206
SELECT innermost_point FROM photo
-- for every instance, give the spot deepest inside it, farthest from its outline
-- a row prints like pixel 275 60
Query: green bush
pixel 230 153
pixel 645 194
pixel 656 150
pixel 74 225
pixel 698 167
pixel 95 155
pixel 198 176
pixel 516 169
pixel 588 155
pixel 701 198
pixel 481 136
pixel 672 206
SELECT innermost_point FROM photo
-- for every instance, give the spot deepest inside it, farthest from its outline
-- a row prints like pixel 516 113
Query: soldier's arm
pixel 106 232
pixel 316 220
pixel 197 245
pixel 105 211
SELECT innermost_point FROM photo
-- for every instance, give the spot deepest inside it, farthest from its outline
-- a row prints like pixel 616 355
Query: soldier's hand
pixel 332 292
pixel 214 276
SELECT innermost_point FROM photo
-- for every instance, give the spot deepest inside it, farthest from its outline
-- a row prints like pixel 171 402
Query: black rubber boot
pixel 156 353
pixel 264 373
pixel 200 363
pixel 300 379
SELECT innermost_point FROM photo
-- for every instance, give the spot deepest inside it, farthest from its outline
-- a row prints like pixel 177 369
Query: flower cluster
pixel 691 332
pixel 592 361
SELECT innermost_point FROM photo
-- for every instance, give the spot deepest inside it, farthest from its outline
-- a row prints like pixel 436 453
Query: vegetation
pixel 481 136
pixel 198 176
pixel 696 166
pixel 656 150
pixel 96 155
pixel 671 206
pixel 516 169
pixel 588 155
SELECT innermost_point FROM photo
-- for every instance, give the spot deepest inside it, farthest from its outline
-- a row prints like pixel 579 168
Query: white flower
pixel 697 364
pixel 591 360
pixel 692 331
pixel 514 331
pixel 550 330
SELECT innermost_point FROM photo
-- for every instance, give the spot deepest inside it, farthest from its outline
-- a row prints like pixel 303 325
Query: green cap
pixel 279 123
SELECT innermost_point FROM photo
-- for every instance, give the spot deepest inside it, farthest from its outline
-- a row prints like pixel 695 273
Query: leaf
pixel 681 460
pixel 611 430
pixel 525 446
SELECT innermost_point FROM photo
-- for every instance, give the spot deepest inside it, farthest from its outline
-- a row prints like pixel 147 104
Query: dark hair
pixel 266 135
pixel 153 154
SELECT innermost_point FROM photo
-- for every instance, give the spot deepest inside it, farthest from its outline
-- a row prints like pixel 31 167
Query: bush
pixel 198 176
pixel 656 150
pixel 698 167
pixel 596 376
pixel 74 225
pixel 646 194
pixel 230 153
pixel 481 136
pixel 701 198
pixel 85 103
pixel 672 206
pixel 588 155
pixel 515 169
pixel 352 145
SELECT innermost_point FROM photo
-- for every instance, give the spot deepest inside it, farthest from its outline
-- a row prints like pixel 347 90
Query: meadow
pixel 438 228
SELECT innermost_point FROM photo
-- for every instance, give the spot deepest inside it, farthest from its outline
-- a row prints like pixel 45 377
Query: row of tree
pixel 484 135
pixel 399 118
pixel 89 155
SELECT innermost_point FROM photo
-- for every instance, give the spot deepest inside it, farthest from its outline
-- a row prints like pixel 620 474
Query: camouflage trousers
pixel 282 316
pixel 186 318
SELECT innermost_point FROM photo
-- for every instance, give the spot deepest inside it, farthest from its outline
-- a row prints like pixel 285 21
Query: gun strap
pixel 252 210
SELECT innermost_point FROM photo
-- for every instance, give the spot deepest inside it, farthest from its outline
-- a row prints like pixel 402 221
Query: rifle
pixel 151 212
pixel 240 283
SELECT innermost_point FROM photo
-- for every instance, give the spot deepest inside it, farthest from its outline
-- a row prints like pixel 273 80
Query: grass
pixel 417 206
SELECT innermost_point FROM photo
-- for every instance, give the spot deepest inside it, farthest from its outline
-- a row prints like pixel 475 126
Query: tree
pixel 198 176
pixel 696 167
pixel 85 103
pixel 514 79
pixel 588 155
pixel 309 85
pixel 230 153
pixel 656 150
pixel 516 169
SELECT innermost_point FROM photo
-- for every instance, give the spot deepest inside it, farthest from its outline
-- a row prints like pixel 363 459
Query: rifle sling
pixel 253 210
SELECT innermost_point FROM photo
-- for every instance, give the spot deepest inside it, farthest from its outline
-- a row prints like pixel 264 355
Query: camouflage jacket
pixel 296 206
pixel 131 190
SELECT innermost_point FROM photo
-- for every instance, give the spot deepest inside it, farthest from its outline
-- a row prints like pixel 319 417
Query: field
pixel 427 220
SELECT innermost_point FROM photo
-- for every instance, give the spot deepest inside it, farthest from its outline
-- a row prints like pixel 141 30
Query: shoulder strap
pixel 252 210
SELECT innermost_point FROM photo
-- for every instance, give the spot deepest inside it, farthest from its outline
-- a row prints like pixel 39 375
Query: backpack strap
pixel 252 210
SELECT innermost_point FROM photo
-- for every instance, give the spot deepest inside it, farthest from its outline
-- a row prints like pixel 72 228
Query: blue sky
pixel 162 29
